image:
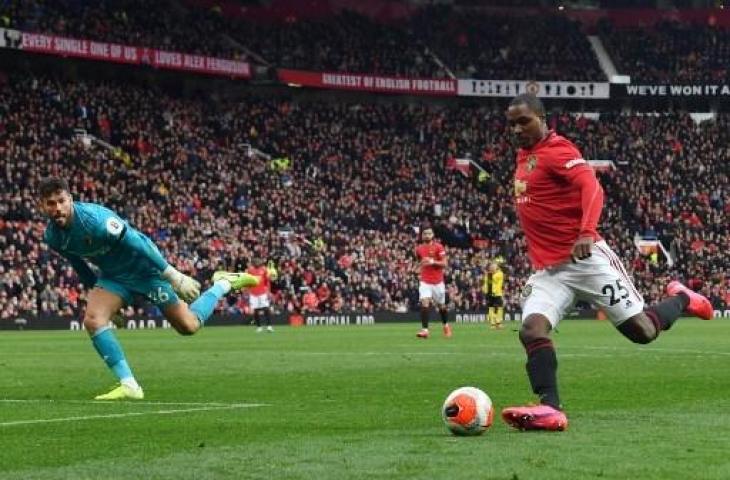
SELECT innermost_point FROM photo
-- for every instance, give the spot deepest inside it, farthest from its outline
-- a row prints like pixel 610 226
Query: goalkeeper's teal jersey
pixel 100 236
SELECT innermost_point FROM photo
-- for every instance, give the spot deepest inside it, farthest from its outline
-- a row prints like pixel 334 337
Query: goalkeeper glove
pixel 186 287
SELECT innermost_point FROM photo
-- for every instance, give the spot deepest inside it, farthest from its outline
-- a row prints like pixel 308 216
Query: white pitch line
pixel 131 402
pixel 656 350
pixel 129 414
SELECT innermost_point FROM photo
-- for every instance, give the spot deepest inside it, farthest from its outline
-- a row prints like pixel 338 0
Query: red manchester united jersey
pixel 431 274
pixel 262 287
pixel 558 199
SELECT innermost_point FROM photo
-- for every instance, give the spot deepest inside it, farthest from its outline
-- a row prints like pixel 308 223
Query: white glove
pixel 186 287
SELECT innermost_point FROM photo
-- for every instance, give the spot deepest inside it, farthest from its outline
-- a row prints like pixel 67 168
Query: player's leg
pixel 662 315
pixel 625 307
pixel 102 302
pixel 542 362
pixel 644 327
pixel 267 317
pixel 499 312
pixel 187 320
pixel 257 319
pixel 492 312
pixel 545 300
pixel 425 299
pixel 439 298
pixel 261 304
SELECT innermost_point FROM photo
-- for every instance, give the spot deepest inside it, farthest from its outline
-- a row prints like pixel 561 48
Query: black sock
pixel 257 318
pixel 542 367
pixel 444 316
pixel 664 313
pixel 267 315
pixel 424 316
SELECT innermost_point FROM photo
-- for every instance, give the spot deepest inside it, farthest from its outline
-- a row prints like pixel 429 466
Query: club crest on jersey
pixel 531 162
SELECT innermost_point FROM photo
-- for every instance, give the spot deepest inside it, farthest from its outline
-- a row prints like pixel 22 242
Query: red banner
pixel 112 52
pixel 370 83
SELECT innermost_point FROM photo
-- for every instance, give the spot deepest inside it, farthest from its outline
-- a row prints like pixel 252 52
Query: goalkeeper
pixel 129 264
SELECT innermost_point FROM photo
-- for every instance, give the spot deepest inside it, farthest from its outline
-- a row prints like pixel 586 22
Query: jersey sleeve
pixel 134 242
pixel 116 232
pixel 568 164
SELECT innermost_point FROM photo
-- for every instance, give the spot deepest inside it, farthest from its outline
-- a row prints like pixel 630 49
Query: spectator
pixel 380 174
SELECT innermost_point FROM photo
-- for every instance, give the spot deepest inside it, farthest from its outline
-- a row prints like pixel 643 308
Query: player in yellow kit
pixel 493 288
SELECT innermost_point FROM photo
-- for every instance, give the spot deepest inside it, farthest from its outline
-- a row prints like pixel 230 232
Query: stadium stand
pixel 160 24
pixel 670 52
pixel 431 43
pixel 475 45
pixel 340 214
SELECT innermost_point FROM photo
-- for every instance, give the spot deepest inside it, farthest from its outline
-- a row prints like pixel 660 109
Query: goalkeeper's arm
pixel 187 287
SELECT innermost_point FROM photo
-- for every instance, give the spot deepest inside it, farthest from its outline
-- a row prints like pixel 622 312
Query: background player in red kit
pixel 431 289
pixel 259 296
pixel 559 202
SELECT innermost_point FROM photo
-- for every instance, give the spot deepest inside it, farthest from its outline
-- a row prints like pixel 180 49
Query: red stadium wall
pixel 645 17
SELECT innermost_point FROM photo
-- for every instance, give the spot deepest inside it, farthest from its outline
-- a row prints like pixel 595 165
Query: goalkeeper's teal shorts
pixel 155 289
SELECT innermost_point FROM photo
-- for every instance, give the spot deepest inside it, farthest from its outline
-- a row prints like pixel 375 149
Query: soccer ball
pixel 467 411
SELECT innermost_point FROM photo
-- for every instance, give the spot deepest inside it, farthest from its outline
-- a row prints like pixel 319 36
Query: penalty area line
pixel 131 414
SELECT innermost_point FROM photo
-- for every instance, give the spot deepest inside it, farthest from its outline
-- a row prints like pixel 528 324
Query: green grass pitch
pixel 362 402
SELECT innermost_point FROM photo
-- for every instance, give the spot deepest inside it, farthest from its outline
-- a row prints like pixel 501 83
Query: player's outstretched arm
pixel 186 287
pixel 129 240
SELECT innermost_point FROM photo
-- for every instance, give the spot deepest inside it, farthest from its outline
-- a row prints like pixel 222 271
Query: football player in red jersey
pixel 559 202
pixel 259 296
pixel 431 290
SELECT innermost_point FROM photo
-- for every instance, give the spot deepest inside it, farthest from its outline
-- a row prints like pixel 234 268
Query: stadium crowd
pixel 431 43
pixel 478 45
pixel 161 24
pixel 338 206
pixel 670 53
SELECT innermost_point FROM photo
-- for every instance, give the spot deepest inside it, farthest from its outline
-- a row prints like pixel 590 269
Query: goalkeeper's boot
pixel 535 417
pixel 238 280
pixel 122 392
pixel 698 305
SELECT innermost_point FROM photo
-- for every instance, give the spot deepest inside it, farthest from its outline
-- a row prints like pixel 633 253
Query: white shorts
pixel 600 279
pixel 259 301
pixel 436 292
